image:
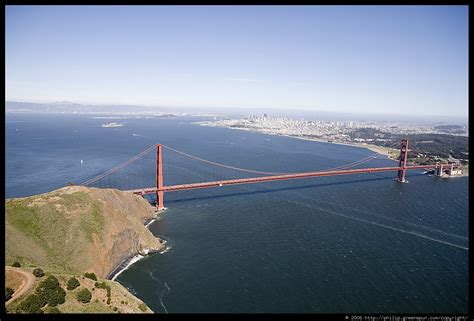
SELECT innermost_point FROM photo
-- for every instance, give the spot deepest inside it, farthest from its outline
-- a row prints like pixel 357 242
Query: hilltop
pixel 77 229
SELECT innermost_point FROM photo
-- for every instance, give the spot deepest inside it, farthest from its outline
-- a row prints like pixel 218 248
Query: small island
pixel 111 125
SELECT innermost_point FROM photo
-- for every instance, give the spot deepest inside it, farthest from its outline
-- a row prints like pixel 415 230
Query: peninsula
pixel 77 232
pixel 428 143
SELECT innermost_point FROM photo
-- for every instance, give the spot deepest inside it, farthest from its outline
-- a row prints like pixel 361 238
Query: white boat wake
pixel 163 293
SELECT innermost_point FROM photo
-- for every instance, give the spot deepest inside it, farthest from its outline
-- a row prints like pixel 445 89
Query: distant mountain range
pixel 67 107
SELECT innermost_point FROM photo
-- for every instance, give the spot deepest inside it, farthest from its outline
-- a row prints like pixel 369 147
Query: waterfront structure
pixel 159 189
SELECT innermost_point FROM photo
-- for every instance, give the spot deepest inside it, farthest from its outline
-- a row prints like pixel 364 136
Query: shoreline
pixel 130 260
pixel 378 149
pixel 390 153
pixel 123 266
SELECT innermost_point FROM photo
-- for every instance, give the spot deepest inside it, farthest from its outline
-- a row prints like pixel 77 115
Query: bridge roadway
pixel 173 188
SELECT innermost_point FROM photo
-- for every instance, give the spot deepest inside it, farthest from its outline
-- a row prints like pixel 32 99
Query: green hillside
pixel 105 297
pixel 77 229
pixel 48 231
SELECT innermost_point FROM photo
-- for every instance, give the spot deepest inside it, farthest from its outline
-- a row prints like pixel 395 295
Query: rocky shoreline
pixel 103 231
pixel 125 264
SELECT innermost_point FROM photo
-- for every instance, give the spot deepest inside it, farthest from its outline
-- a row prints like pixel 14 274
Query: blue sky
pixel 372 59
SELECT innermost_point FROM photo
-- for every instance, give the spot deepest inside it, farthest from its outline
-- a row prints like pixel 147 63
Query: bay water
pixel 343 244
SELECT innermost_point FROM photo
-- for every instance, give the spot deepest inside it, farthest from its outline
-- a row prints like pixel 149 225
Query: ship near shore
pixel 108 125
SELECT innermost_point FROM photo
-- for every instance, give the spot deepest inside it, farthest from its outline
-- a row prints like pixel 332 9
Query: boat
pixel 112 125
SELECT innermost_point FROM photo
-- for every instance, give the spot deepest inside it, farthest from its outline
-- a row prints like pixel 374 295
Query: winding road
pixel 28 280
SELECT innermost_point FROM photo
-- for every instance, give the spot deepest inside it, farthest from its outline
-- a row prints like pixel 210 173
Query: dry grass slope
pixel 77 229
pixel 121 301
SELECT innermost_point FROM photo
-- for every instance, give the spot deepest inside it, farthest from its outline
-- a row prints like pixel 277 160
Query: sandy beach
pixel 389 152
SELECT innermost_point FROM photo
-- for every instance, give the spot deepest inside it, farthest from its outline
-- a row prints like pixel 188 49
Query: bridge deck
pixel 173 188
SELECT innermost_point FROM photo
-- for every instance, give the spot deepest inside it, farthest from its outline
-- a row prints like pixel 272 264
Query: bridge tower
pixel 402 163
pixel 439 169
pixel 159 178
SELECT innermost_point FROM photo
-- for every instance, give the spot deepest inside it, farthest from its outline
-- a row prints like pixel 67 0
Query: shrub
pixel 142 307
pixel 48 292
pixel 51 292
pixel 72 283
pixel 91 276
pixel 49 309
pixel 121 302
pixel 96 300
pixel 31 304
pixel 108 301
pixel 100 285
pixel 103 285
pixel 16 264
pixel 58 297
pixel 50 283
pixel 115 308
pixel 8 293
pixel 84 295
pixel 38 272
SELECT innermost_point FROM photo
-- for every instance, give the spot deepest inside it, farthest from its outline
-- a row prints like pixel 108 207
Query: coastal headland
pixel 76 230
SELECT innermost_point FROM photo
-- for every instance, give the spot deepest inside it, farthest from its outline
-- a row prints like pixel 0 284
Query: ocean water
pixel 344 244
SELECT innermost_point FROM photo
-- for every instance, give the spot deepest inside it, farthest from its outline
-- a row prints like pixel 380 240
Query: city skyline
pixel 369 59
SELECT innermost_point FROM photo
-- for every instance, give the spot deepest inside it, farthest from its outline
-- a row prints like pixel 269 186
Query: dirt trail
pixel 27 282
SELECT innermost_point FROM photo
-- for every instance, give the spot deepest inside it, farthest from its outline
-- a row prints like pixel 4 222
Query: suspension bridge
pixel 218 177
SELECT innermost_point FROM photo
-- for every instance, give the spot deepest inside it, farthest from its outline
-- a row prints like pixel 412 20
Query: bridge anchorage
pixel 160 189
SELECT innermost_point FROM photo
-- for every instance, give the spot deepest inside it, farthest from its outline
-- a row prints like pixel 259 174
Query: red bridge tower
pixel 402 163
pixel 159 178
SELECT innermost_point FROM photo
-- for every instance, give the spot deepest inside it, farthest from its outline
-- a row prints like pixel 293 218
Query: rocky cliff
pixel 77 229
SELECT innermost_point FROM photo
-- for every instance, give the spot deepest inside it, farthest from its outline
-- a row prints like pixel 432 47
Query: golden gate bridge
pixel 217 178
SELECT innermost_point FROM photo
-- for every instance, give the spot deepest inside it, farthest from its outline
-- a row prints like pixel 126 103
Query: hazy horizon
pixel 290 113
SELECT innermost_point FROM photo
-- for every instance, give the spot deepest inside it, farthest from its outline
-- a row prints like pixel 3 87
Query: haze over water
pixel 356 243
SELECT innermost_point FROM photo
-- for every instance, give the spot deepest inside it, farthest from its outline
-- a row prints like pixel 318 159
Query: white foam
pixel 165 250
pixel 135 259
pixel 150 222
